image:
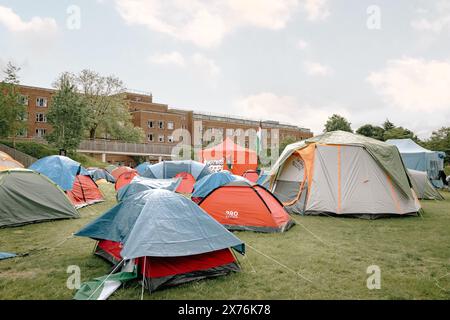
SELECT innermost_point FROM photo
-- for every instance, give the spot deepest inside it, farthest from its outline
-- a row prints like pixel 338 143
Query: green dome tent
pixel 27 197
pixel 422 186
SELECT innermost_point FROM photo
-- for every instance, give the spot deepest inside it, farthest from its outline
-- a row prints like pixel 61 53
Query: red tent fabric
pixel 84 192
pixel 125 178
pixel 118 171
pixel 241 159
pixel 187 182
pixel 241 205
pixel 251 175
pixel 168 271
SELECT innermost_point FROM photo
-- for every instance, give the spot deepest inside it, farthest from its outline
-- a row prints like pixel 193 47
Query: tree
pixel 337 122
pixel 371 131
pixel 399 133
pixel 67 115
pixel 387 125
pixel 285 142
pixel 439 141
pixel 12 111
pixel 107 108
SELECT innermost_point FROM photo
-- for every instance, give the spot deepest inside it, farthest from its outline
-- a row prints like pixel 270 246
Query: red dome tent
pixel 187 182
pixel 251 175
pixel 125 178
pixel 242 205
pixel 240 158
pixel 84 192
pixel 116 173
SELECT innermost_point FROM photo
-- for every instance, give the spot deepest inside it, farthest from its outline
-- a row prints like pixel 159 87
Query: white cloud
pixel 437 21
pixel 171 58
pixel 268 105
pixel 414 84
pixel 206 65
pixel 206 23
pixel 302 44
pixel 36 25
pixel 316 69
pixel 316 9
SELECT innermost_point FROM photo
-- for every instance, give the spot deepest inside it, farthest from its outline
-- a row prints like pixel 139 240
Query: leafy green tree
pixel 439 141
pixel 12 111
pixel 285 142
pixel 337 122
pixel 67 115
pixel 371 131
pixel 399 133
pixel 107 108
pixel 387 125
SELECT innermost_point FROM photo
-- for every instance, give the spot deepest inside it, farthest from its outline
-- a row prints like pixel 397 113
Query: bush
pixel 40 150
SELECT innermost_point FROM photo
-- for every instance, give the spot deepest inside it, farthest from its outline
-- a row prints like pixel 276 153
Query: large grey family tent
pixel 140 184
pixel 71 177
pixel 190 171
pixel 344 174
pixel 242 205
pixel 166 236
pixel 27 197
pixel 422 186
pixel 418 158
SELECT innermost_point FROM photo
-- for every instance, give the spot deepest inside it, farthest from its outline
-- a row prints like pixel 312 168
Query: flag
pixel 259 140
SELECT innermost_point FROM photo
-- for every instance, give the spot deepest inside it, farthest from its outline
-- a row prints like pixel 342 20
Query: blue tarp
pixel 210 182
pixel 161 223
pixel 61 170
pixel 98 174
pixel 263 180
pixel 139 184
pixel 7 255
pixel 169 169
pixel 418 158
pixel 142 167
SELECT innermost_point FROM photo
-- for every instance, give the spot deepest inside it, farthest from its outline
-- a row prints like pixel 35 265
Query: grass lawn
pixel 333 253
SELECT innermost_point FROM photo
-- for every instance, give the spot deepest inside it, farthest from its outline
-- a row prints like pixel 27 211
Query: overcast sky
pixel 297 61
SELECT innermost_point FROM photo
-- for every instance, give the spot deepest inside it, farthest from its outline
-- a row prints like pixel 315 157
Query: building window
pixel 161 138
pixel 170 139
pixel 41 117
pixel 150 124
pixel 40 132
pixel 23 100
pixel 150 137
pixel 41 102
pixel 170 125
pixel 161 124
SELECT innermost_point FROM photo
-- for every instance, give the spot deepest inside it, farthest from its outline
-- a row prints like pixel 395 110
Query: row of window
pixel 40 101
pixel 159 124
pixel 151 137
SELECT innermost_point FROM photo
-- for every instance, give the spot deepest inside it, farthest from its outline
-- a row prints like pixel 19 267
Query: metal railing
pixel 23 158
pixel 108 146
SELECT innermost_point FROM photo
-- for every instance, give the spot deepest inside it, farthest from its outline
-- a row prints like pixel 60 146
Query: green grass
pixel 334 253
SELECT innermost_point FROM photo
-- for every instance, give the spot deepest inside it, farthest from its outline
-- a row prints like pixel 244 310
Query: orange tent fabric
pixel 125 178
pixel 187 182
pixel 241 159
pixel 84 192
pixel 7 162
pixel 118 171
pixel 241 205
pixel 251 175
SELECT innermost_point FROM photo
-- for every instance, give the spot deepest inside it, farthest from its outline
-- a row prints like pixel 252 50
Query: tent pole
pixel 143 278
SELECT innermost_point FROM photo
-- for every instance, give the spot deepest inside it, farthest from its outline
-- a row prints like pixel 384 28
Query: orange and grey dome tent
pixel 343 174
pixel 240 159
pixel 8 162
pixel 242 205
pixel 251 175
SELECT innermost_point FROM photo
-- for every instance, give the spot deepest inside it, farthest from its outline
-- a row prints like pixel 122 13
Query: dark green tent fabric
pixel 27 196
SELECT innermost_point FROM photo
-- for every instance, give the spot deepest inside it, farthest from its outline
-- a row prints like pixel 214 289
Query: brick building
pixel 157 120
